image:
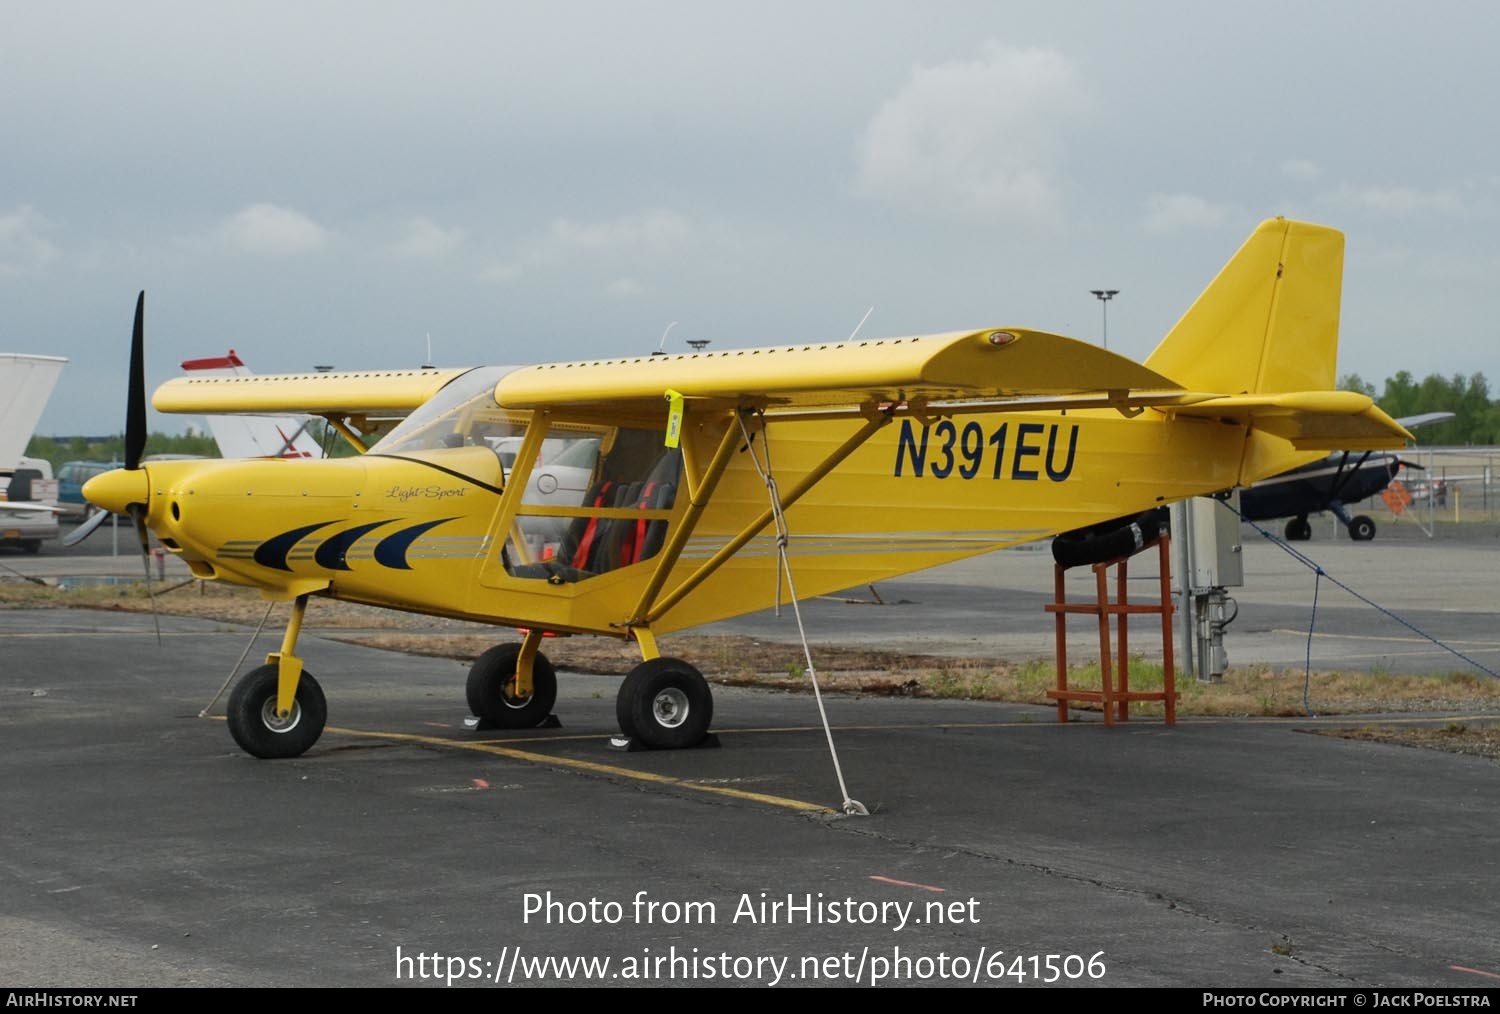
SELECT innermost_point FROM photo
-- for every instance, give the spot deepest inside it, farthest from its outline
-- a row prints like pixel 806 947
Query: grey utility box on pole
pixel 1209 560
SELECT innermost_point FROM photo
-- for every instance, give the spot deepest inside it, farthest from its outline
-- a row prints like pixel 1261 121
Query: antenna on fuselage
pixel 661 349
pixel 860 324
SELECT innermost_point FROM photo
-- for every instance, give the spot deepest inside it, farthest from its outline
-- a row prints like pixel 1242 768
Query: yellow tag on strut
pixel 674 418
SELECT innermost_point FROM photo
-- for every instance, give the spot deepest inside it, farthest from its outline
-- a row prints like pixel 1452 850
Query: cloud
pixel 629 239
pixel 974 137
pixel 1300 169
pixel 623 287
pixel 1175 212
pixel 24 246
pixel 494 270
pixel 652 233
pixel 271 230
pixel 423 239
pixel 1400 202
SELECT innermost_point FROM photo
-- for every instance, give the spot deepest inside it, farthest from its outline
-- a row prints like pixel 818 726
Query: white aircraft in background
pixel 253 436
pixel 26 382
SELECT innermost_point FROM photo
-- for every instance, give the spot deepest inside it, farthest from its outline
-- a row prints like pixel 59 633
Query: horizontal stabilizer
pixel 1310 420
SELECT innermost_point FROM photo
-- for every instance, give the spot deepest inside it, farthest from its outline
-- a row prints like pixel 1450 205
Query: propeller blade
pixel 86 529
pixel 135 404
pixel 138 515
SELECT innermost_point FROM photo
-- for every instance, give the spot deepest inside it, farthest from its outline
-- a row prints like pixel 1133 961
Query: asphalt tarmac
pixel 140 847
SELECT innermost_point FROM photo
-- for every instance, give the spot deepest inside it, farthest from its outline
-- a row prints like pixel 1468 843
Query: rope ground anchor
pixel 851 807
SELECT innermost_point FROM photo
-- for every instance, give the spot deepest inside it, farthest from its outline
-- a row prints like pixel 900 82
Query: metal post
pixel 1104 296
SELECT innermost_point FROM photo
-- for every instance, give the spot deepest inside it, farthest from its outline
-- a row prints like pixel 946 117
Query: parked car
pixel 1422 488
pixel 25 523
pixel 70 480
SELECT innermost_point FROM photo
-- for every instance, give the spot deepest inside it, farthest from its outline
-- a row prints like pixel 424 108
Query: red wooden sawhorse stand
pixel 1111 697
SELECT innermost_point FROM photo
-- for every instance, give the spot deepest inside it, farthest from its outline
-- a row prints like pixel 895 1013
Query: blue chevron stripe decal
pixel 272 553
pixel 391 551
pixel 331 553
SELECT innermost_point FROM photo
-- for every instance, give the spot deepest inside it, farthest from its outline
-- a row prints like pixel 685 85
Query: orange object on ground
pixel 1114 666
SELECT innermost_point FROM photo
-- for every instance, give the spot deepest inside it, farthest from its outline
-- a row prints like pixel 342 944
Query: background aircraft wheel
pixel 253 722
pixel 1362 528
pixel 491 689
pixel 1298 530
pixel 666 704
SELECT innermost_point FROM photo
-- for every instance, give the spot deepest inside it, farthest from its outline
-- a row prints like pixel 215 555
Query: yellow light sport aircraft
pixel 632 497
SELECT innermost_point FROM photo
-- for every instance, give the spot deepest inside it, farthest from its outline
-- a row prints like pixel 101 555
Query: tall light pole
pixel 1104 296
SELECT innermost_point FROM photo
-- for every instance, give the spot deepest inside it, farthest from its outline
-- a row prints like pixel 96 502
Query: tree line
pixel 1476 418
pixel 60 449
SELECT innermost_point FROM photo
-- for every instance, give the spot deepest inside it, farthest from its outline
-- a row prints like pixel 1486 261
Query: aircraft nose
pixel 116 490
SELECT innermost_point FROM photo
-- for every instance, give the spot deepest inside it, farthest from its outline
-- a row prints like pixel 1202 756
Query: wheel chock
pixel 476 724
pixel 629 744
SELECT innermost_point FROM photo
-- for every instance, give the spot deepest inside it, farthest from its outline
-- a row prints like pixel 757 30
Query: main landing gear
pixel 1361 527
pixel 663 704
pixel 278 710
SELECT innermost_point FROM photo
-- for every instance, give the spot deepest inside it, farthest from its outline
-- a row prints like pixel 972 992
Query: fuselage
pixel 445 516
pixel 1339 478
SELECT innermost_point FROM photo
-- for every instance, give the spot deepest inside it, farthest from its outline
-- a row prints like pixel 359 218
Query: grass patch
pixel 744 661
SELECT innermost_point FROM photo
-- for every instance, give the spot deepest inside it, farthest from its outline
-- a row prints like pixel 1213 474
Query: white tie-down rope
pixel 243 655
pixel 850 806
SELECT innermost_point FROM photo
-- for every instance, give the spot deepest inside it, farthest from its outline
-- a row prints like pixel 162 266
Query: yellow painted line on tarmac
pixel 590 766
pixel 1394 639
pixel 497 747
pixel 899 727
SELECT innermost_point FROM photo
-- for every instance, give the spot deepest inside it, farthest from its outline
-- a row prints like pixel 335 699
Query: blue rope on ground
pixel 1312 621
pixel 1312 565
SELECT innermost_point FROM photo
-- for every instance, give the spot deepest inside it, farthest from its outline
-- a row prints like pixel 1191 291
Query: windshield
pixel 462 414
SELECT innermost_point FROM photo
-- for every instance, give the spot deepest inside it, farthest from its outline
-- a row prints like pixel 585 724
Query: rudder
pixel 1269 322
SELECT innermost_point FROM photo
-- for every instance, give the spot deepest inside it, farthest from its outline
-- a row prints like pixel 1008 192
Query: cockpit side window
pixel 597 503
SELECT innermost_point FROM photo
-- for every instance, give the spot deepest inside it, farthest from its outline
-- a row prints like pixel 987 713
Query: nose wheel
pixel 261 730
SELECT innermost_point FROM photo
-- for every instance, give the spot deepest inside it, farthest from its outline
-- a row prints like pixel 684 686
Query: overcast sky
pixel 331 183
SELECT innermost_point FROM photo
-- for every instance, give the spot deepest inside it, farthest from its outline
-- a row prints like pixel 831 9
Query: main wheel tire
pixel 1298 530
pixel 491 686
pixel 256 728
pixel 1110 539
pixel 666 704
pixel 1361 528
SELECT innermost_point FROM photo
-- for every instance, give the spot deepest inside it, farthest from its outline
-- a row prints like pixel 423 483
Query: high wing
pixel 355 403
pixel 959 365
pixel 253 436
pixel 988 371
pixel 1411 422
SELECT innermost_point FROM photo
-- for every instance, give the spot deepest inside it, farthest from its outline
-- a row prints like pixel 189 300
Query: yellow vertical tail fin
pixel 1269 322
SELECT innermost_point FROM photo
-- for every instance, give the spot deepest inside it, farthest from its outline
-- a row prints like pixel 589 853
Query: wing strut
pixel 647 612
pixel 700 491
